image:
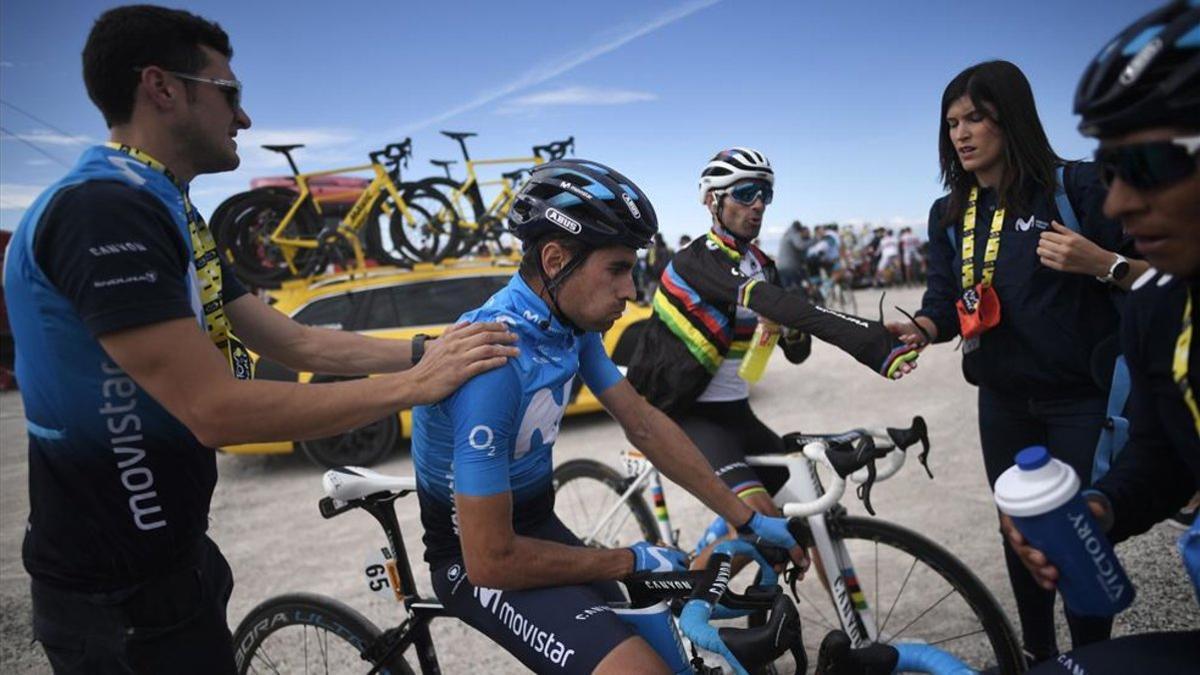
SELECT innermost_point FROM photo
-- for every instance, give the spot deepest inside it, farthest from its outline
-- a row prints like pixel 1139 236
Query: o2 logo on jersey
pixel 483 438
pixel 543 416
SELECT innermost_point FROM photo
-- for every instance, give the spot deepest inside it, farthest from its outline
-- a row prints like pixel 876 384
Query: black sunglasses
pixel 1147 166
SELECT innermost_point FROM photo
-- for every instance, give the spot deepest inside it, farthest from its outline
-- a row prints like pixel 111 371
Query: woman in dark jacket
pixel 1036 301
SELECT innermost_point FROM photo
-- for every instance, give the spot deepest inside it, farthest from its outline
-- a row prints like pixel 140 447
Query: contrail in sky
pixel 544 72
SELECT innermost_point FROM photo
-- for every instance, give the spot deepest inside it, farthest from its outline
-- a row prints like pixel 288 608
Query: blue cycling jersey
pixel 119 489
pixel 495 433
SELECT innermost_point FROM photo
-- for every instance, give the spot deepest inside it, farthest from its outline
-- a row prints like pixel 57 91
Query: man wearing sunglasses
pixel 1141 99
pixel 711 296
pixel 127 328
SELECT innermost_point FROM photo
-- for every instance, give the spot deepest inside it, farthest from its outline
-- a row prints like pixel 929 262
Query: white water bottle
pixel 1041 495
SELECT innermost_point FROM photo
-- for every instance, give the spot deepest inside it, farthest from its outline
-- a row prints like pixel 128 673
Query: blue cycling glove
pixel 650 558
pixel 769 529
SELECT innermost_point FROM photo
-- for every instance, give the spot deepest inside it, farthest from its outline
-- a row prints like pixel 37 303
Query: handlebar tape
pixel 693 621
pixel 921 658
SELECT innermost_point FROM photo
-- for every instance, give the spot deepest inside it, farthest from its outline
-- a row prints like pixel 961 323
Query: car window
pixel 435 302
pixel 439 301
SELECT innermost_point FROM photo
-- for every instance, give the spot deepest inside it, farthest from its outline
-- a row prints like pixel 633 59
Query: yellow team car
pixel 397 304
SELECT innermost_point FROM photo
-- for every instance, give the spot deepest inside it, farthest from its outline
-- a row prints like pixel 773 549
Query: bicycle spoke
pixel 822 618
pixel 956 637
pixel 898 594
pixel 262 655
pixel 923 613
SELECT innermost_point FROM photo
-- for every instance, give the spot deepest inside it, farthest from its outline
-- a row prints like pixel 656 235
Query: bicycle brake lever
pixel 923 436
pixel 864 488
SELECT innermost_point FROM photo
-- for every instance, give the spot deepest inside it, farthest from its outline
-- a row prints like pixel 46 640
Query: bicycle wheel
pixel 307 633
pixel 585 491
pixel 247 226
pixel 429 232
pixel 469 207
pixel 917 592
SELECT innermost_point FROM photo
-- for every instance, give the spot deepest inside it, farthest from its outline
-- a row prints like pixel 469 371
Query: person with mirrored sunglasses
pixel 710 299
pixel 1035 302
pixel 1140 98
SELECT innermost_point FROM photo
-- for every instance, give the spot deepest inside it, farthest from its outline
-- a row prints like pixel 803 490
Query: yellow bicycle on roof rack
pixel 271 234
pixel 483 223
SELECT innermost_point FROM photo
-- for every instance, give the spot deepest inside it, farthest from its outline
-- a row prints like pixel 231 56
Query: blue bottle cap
pixel 1033 457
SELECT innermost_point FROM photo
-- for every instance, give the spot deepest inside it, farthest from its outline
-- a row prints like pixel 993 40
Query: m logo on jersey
pixel 542 416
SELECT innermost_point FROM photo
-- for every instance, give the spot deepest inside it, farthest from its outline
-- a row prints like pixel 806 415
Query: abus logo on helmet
pixel 562 220
pixel 632 207
pixel 1139 63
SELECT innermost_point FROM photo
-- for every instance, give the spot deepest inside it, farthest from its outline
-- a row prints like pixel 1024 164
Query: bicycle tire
pixel 596 481
pixel 468 238
pixel 435 231
pixel 246 227
pixel 991 642
pixel 324 624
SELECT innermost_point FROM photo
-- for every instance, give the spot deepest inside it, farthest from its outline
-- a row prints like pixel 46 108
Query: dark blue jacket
pixel 1051 322
pixel 1159 470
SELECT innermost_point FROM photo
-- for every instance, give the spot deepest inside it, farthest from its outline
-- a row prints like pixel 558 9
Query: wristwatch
pixel 418 347
pixel 1118 271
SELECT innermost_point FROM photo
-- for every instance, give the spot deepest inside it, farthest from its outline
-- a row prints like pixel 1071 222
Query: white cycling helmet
pixel 733 165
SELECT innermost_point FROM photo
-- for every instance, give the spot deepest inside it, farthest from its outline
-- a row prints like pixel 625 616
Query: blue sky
pixel 842 97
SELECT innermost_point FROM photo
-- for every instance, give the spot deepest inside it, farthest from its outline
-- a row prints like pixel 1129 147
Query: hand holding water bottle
pixel 1043 571
pixel 1057 535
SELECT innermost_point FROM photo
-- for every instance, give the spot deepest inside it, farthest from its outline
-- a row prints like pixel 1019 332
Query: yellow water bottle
pixel 762 343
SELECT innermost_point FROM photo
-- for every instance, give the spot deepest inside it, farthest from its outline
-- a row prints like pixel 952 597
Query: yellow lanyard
pixel 208 273
pixel 1179 369
pixel 968 244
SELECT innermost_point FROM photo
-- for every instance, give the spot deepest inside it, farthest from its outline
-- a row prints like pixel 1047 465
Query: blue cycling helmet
pixel 1147 76
pixel 585 199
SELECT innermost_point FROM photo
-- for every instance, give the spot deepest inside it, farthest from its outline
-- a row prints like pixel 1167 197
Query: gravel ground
pixel 264 513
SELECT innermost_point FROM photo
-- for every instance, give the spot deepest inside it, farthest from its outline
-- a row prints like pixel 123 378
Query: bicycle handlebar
pixel 851 456
pixel 743 648
pixel 555 149
pixel 393 154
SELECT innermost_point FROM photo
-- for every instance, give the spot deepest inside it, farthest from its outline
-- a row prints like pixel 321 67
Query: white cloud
pixel 545 71
pixel 18 196
pixel 582 96
pixel 41 137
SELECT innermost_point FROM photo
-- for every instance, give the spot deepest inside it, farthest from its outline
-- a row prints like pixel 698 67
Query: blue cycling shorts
pixel 561 629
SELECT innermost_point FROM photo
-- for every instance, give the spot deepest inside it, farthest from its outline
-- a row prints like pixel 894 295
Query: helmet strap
pixel 717 208
pixel 552 284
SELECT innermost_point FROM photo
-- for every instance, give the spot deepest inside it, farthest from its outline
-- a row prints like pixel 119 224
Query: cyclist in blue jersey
pixel 126 325
pixel 500 559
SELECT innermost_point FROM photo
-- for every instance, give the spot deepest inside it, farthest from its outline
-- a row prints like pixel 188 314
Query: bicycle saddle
pixel 443 162
pixel 514 176
pixel 347 483
pixel 282 148
pixel 459 135
pixel 758 646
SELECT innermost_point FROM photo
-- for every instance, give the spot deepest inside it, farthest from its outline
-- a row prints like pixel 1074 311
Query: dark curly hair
pixel 126 38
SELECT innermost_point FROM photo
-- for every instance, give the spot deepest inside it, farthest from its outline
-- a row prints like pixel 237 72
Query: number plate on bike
pixel 381 573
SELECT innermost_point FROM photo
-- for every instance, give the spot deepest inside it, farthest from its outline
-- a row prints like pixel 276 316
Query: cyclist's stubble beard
pixel 204 134
pixel 594 296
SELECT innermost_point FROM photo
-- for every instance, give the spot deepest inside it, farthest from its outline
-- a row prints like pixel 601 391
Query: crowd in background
pixel 860 256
